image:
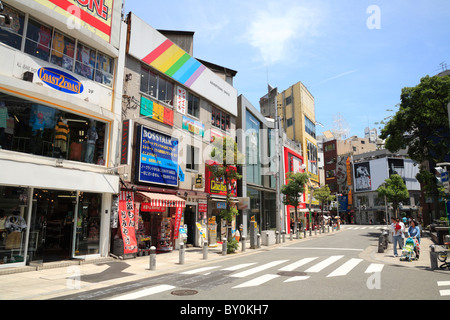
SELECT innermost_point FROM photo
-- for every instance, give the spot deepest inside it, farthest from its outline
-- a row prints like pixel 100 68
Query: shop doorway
pixel 64 225
pixel 190 219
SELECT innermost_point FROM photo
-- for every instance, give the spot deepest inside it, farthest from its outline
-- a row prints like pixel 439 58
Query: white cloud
pixel 273 30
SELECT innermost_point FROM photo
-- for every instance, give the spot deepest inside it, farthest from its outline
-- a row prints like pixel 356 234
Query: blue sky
pixel 352 70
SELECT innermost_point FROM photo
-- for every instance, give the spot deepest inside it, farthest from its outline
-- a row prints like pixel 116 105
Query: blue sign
pixel 158 161
pixel 60 80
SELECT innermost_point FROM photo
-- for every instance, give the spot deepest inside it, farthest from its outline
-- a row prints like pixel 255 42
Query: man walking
pixel 397 234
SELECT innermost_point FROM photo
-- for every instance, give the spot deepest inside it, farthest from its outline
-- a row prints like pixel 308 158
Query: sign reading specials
pixel 100 17
pixel 155 50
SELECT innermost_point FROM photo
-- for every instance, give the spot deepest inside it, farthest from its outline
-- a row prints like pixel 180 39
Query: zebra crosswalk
pixel 352 227
pixel 254 274
pixel 444 292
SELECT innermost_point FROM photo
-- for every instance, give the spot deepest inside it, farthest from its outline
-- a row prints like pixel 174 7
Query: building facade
pixel 173 108
pixel 297 111
pixel 60 119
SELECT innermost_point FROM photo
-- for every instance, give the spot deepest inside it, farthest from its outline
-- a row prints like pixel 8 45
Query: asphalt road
pixel 333 267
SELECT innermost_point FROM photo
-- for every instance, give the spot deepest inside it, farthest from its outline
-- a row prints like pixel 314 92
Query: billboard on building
pixel 363 180
pixel 154 49
pixel 158 158
pixel 100 17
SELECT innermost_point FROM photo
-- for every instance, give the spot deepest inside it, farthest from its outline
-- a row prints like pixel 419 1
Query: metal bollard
pixel 205 250
pixel 224 247
pixel 433 257
pixel 152 258
pixel 304 233
pixel 243 243
pixel 277 237
pixel 181 253
pixel 291 235
pixel 258 241
pixel 284 236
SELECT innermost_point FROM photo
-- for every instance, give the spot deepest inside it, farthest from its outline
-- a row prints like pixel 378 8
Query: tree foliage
pixel 421 124
pixel 395 191
pixel 294 190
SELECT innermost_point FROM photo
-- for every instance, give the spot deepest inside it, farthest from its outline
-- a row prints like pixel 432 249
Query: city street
pixel 334 266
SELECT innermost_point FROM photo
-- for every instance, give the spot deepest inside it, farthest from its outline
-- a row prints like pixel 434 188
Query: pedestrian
pixel 396 230
pixel 414 230
pixel 403 233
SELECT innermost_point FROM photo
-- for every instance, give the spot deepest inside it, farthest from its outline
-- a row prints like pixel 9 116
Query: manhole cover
pixel 184 292
pixel 291 274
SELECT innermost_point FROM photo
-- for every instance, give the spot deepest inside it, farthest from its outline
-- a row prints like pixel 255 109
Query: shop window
pixel 156 86
pixel 11 32
pixel 13 224
pixel 37 129
pixel 192 158
pixel 220 119
pixel 193 105
pixel 85 61
pixel 87 239
pixel 38 41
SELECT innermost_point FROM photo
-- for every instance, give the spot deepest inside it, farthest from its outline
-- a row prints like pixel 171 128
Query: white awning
pixel 15 173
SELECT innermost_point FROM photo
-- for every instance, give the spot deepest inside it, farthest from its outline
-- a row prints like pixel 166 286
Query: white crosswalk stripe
pixel 345 268
pixel 257 281
pixel 375 267
pixel 445 292
pixel 322 265
pixel 200 270
pixel 239 266
pixel 297 264
pixel 144 293
pixel 258 269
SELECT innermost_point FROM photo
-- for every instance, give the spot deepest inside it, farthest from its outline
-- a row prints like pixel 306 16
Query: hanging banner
pixel 127 222
pixel 181 100
pixel 178 216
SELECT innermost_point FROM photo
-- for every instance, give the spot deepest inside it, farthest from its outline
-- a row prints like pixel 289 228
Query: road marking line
pixel 297 264
pixel 143 293
pixel 315 248
pixel 322 265
pixel 199 270
pixel 374 267
pixel 297 278
pixel 345 268
pixel 239 266
pixel 257 281
pixel 258 269
pixel 444 293
pixel 443 283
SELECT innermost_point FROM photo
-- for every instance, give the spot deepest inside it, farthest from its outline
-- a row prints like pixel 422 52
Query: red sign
pixel 127 222
pixel 178 216
pixel 202 207
pixel 216 185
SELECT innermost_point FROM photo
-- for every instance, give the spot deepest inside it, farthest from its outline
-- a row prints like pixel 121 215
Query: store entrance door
pixel 51 229
pixel 189 220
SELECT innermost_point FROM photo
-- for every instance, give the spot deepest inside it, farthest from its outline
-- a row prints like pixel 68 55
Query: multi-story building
pixel 59 123
pixel 259 174
pixel 370 170
pixel 297 110
pixel 173 107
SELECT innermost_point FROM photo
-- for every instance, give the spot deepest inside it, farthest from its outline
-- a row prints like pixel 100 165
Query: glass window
pixel 192 158
pixel 13 224
pixel 252 149
pixel 41 130
pixel 193 105
pixel 11 31
pixel 39 39
pixel 63 51
pixel 156 86
pixel 165 91
pixel 104 69
pixel 87 239
pixel 85 61
pixel 220 119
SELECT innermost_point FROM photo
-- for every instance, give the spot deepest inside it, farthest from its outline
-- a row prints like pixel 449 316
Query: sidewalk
pixel 57 279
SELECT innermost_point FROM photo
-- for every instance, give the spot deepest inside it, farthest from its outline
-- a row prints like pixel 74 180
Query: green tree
pixel 225 158
pixel 421 124
pixel 395 191
pixel 324 196
pixel 293 191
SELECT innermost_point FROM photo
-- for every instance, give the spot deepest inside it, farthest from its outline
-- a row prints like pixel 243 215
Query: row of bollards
pixel 182 250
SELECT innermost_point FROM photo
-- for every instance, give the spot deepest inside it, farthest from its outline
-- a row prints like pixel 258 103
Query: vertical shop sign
pixel 178 216
pixel 181 100
pixel 127 222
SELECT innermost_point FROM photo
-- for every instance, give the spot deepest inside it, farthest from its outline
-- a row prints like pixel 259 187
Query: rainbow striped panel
pixel 174 62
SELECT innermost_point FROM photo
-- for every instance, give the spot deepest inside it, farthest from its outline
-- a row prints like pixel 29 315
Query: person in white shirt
pixel 397 234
